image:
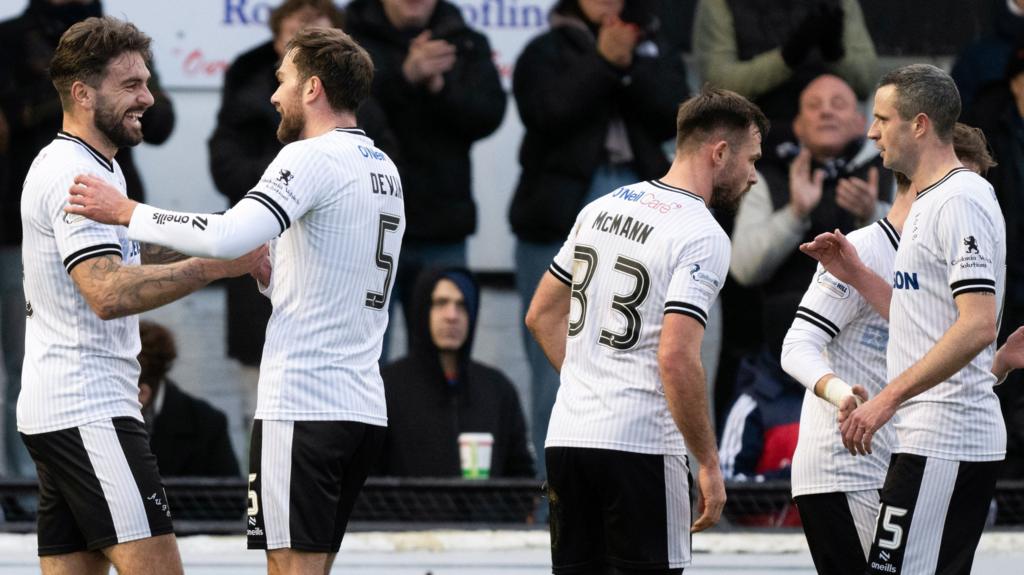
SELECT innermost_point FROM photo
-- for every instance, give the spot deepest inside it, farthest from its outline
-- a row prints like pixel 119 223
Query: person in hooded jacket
pixel 598 94
pixel 438 392
pixel 436 80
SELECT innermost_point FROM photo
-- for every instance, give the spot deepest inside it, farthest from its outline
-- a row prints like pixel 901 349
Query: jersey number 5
pixel 385 261
pixel 626 304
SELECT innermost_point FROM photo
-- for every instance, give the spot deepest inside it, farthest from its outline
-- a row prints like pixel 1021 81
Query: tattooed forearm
pixel 116 290
pixel 157 254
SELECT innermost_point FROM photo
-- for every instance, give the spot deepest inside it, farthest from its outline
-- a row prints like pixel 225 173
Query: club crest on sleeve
pixel 971 245
pixel 285 176
pixel 832 287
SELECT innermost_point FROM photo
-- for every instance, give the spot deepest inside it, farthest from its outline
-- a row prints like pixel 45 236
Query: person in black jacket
pixel 598 97
pixel 999 112
pixel 439 87
pixel 245 141
pixel 438 392
pixel 188 436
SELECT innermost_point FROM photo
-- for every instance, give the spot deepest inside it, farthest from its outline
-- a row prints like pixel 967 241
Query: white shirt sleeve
pixel 77 237
pixel 238 231
pixel 698 276
pixel 968 239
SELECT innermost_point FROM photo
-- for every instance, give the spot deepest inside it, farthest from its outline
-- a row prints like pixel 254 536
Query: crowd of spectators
pixel 597 92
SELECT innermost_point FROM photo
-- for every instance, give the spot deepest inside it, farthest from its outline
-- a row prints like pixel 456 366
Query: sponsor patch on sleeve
pixel 832 287
pixel 705 279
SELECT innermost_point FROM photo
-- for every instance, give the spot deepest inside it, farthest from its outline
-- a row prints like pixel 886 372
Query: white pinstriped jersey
pixel 856 353
pixel 633 255
pixel 339 202
pixel 78 368
pixel 954 242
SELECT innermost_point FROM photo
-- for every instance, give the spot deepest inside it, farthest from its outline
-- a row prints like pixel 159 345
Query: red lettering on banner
pixel 196 64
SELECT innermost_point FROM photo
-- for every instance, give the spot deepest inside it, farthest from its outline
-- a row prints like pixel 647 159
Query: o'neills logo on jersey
pixel 905 280
pixel 161 218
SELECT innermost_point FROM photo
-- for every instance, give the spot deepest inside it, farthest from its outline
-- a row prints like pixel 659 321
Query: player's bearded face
pixel 122 127
pixel 293 118
pixel 727 190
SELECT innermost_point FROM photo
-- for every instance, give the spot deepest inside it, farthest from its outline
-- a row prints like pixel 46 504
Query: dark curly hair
pixel 158 352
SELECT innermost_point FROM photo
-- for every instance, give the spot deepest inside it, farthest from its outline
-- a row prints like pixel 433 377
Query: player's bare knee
pixel 150 556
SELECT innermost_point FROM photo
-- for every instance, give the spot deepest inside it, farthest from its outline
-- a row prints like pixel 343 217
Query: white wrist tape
pixel 836 390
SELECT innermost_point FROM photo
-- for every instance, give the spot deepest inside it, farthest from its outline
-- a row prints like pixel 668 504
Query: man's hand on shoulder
pixel 97 200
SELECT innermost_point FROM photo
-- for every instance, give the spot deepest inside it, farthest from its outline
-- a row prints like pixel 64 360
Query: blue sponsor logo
pixel 905 280
pixel 628 194
pixel 368 153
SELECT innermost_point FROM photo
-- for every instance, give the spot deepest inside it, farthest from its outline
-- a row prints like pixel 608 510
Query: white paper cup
pixel 475 454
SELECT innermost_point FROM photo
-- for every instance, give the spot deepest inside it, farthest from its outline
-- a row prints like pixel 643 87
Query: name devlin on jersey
pixel 627 227
pixel 386 185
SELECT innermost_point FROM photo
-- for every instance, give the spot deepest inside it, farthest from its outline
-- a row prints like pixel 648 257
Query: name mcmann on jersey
pixel 629 228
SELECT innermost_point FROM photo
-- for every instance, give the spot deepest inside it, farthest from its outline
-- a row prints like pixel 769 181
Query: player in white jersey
pixel 101 500
pixel 336 201
pixel 631 287
pixel 837 336
pixel 948 279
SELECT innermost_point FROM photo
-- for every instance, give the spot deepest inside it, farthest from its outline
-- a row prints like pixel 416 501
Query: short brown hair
pixel 925 89
pixel 289 7
pixel 86 49
pixel 343 66
pixel 158 351
pixel 972 147
pixel 714 110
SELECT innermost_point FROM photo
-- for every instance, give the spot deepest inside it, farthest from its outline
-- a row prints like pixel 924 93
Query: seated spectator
pixel 598 96
pixel 245 141
pixel 438 392
pixel 188 435
pixel 770 51
pixel 831 177
pixel 999 112
pixel 983 61
pixel 436 81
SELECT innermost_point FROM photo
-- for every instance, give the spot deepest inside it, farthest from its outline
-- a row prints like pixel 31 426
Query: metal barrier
pixel 218 506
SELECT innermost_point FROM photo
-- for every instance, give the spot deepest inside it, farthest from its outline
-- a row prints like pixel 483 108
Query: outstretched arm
pixel 114 290
pixel 238 231
pixel 840 258
pixel 973 330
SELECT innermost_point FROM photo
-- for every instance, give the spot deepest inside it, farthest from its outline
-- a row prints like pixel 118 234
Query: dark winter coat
pixel 567 95
pixel 190 438
pixel 434 131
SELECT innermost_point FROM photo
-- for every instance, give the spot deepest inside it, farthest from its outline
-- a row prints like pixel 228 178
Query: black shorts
pixel 616 509
pixel 839 527
pixel 98 486
pixel 932 514
pixel 304 477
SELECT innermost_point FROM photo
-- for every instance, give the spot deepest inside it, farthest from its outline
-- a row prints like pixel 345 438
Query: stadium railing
pixel 218 506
